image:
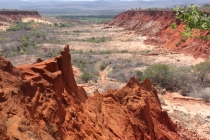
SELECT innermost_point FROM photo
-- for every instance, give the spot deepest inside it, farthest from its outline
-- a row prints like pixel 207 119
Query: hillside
pixel 156 26
pixel 8 17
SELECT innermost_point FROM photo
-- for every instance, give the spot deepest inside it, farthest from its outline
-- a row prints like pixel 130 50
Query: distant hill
pixel 102 5
pixel 9 17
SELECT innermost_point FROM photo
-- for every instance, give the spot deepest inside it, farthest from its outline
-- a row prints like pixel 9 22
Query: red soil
pixel 156 25
pixel 43 101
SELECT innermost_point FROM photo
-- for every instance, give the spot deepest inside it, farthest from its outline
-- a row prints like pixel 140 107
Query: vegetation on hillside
pixel 194 18
pixel 24 38
pixel 21 26
pixel 186 79
pixel 97 19
pixel 206 6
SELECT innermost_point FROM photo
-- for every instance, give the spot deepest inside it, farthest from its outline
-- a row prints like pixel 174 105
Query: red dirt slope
pixel 156 25
pixel 42 101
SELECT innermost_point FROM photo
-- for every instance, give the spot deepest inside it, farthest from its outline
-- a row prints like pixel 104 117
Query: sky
pixel 91 0
pixel 105 5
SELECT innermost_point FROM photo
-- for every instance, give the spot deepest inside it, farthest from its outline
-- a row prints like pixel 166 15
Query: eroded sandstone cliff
pixel 156 26
pixel 42 101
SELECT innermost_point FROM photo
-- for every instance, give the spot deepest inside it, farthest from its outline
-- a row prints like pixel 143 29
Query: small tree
pixel 202 69
pixel 157 73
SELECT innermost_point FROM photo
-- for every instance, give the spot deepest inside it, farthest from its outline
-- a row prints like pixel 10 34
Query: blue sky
pixel 90 0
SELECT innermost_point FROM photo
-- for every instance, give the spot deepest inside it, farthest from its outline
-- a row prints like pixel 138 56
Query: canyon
pixel 44 99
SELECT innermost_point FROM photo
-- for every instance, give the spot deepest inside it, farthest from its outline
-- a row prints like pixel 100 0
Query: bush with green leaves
pixel 37 34
pixel 193 18
pixel 202 70
pixel 25 40
pixel 139 75
pixel 171 78
pixel 25 43
pixel 157 73
pixel 86 76
pixel 180 78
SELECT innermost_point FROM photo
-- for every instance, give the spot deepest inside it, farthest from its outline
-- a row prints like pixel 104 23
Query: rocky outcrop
pixel 156 25
pixel 42 101
pixel 134 112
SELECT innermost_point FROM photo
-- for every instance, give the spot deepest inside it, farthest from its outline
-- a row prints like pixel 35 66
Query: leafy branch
pixel 193 18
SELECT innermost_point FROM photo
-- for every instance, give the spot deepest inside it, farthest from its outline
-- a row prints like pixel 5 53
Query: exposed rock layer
pixel 156 25
pixel 7 17
pixel 43 101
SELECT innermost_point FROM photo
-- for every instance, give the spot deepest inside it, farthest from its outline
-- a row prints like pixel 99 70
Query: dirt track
pixel 190 113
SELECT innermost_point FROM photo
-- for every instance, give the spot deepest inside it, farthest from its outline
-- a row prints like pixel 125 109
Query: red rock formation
pixel 156 25
pixel 134 112
pixel 43 101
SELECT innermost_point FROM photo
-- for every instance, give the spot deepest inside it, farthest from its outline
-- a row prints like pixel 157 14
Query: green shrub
pixel 202 70
pixel 38 34
pixel 173 26
pixel 139 75
pixel 124 51
pixel 55 24
pixel 13 28
pixel 25 43
pixel 21 26
pixel 96 40
pixel 91 51
pixel 66 25
pixel 86 76
pixel 180 78
pixel 157 73
pixel 25 37
pixel 171 78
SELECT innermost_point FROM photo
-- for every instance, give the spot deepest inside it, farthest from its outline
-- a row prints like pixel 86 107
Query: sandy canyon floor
pixel 115 58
